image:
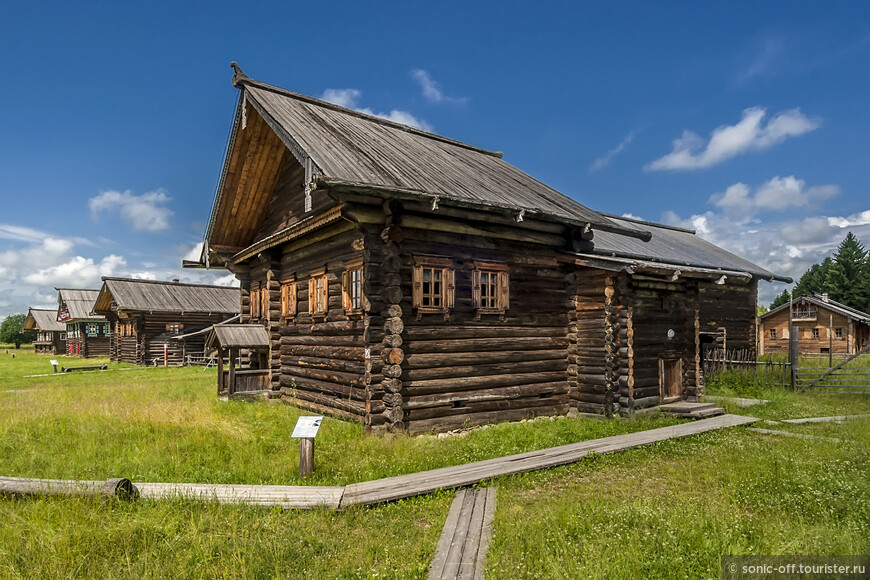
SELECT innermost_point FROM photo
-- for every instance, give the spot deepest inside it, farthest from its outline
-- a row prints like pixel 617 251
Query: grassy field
pixel 666 511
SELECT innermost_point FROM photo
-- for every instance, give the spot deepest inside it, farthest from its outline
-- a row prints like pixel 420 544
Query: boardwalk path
pixel 402 486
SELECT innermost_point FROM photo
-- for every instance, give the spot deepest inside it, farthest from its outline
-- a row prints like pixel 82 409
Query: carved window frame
pixel 254 302
pixel 352 286
pixel 495 277
pixel 441 270
pixel 288 298
pixel 318 293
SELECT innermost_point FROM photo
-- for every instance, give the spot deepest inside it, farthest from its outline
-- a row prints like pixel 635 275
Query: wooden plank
pixel 825 419
pixel 465 538
pixel 436 568
pixel 398 487
pixel 799 435
pixel 287 496
pixel 486 533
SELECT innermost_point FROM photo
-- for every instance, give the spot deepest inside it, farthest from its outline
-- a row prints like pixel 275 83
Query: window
pixel 255 301
pixel 288 299
pixel 772 333
pixel 490 287
pixel 838 332
pixel 351 286
pixel 174 328
pixel 815 333
pixel 264 302
pixel 434 285
pixel 63 336
pixel 93 329
pixel 318 292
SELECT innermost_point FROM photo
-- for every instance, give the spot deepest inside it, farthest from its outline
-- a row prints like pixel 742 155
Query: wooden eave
pixel 435 200
pixel 289 233
pixel 675 271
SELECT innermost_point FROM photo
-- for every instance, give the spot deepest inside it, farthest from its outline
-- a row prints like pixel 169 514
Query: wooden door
pixel 670 378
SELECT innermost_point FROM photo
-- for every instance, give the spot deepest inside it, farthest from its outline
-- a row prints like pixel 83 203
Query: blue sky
pixel 745 121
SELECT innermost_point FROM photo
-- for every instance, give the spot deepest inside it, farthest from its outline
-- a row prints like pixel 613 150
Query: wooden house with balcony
pixel 50 334
pixel 821 325
pixel 146 314
pixel 87 334
pixel 417 283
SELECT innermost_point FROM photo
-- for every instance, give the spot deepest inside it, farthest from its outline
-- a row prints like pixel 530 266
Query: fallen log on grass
pixel 87 368
pixel 26 486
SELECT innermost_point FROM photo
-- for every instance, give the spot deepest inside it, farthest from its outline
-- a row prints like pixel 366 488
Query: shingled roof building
pixel 50 334
pixel 87 334
pixel 418 283
pixel 145 314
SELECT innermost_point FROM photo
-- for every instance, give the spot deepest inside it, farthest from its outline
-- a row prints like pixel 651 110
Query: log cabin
pixel 145 314
pixel 822 326
pixel 417 283
pixel 50 334
pixel 87 335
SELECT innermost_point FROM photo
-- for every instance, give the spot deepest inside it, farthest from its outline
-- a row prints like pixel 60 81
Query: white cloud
pixel 764 59
pixel 692 152
pixel 784 246
pixel 349 98
pixel 144 212
pixel 78 272
pixel 605 159
pixel 431 89
pixel 777 194
pixel 194 253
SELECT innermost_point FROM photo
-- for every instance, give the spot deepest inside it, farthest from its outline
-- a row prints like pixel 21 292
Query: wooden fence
pixel 774 367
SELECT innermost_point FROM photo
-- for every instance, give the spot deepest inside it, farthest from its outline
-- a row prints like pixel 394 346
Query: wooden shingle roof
pixel 153 296
pixel 43 320
pixel 79 304
pixel 239 336
pixel 675 246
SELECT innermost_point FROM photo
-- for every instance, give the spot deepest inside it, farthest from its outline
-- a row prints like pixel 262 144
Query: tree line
pixel 12 331
pixel 844 277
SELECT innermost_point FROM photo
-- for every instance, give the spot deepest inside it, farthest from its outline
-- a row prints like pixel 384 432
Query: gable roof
pixel 155 296
pixel 43 320
pixel 345 149
pixel 78 304
pixel 826 303
pixel 676 246
pixel 238 336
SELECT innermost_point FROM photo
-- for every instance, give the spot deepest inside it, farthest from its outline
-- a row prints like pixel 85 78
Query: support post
pixel 231 388
pixel 831 342
pixel 306 456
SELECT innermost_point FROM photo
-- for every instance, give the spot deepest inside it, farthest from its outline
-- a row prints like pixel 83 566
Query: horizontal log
pixel 327 375
pixel 483 370
pixel 487 344
pixel 321 408
pixel 497 331
pixel 424 387
pixel 483 407
pixel 473 419
pixel 431 360
pixel 339 352
pixel 116 487
pixel 493 394
pixel 324 363
pixel 337 390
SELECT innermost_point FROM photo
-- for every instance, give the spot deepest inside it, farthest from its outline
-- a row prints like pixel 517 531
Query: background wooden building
pixel 822 326
pixel 414 282
pixel 86 334
pixel 50 334
pixel 145 314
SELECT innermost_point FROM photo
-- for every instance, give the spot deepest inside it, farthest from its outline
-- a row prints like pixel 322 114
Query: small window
pixel 490 287
pixel 288 299
pixel 318 292
pixel 174 328
pixel 255 301
pixel 772 333
pixel 434 286
pixel 264 302
pixel 838 332
pixel 815 333
pixel 93 329
pixel 351 286
pixel 63 336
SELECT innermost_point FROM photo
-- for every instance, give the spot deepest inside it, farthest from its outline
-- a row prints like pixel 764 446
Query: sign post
pixel 53 364
pixel 305 430
pixel 165 354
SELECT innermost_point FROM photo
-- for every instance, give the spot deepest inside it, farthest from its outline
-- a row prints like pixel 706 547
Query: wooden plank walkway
pixel 463 544
pixel 402 486
pixel 799 435
pixel 824 419
pixel 287 496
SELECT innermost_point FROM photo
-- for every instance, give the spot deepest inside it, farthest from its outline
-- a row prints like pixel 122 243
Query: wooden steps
pixel 691 410
pixel 463 544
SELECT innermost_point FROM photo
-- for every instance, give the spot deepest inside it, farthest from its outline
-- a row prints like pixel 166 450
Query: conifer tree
pixel 847 278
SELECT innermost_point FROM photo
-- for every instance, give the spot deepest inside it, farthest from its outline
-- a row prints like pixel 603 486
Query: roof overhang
pixel 671 271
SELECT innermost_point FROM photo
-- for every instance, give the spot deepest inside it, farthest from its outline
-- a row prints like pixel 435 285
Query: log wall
pixel 731 307
pixel 150 334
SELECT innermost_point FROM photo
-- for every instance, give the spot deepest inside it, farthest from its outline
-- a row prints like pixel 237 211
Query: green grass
pixel 666 511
